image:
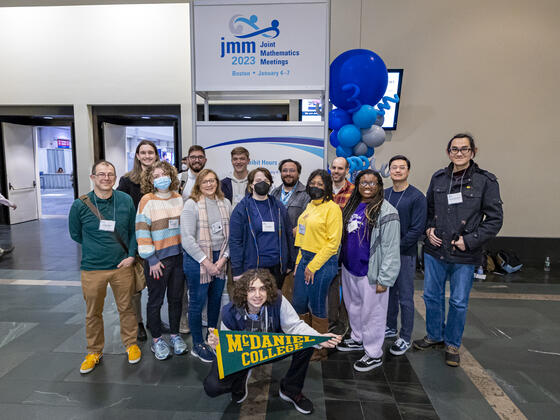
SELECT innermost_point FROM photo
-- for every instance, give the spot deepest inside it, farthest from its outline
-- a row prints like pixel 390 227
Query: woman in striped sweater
pixel 159 243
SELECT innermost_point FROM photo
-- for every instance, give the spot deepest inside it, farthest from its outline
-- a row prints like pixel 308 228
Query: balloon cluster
pixel 358 81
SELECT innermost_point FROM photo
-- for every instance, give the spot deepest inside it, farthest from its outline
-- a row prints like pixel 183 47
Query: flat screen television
pixel 308 107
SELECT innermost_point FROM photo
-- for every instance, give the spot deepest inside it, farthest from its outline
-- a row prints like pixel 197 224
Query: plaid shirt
pixel 344 194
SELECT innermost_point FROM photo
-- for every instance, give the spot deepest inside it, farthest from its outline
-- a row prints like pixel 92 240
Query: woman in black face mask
pixel 260 231
pixel 318 236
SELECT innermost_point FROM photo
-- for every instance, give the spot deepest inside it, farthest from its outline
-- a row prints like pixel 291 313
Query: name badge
pixel 216 227
pixel 268 226
pixel 454 198
pixel 301 229
pixel 173 223
pixel 352 226
pixel 107 225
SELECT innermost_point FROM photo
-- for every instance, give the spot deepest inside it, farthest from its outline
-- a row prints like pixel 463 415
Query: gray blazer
pixel 296 203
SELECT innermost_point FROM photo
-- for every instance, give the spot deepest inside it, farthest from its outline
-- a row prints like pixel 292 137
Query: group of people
pixel 196 234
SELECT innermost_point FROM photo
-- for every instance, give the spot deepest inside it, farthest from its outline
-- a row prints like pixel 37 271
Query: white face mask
pixel 184 167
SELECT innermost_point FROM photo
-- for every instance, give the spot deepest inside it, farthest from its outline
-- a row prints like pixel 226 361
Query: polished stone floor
pixel 510 357
pixel 56 201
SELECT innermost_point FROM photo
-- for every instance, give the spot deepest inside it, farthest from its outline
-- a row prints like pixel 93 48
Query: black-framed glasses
pixel 463 150
pixel 197 157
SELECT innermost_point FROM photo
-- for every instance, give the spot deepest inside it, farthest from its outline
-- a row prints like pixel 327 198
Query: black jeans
pixel 173 281
pixel 277 274
pixel 292 382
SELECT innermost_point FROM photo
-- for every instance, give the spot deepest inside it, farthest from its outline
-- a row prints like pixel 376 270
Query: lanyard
pixel 451 182
pixel 258 211
pixel 400 198
pixel 114 205
pixel 285 196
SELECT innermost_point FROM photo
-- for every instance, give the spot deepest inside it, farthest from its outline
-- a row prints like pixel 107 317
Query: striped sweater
pixel 157 226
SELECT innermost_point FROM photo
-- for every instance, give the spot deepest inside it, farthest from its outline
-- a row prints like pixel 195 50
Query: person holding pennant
pixel 258 307
pixel 370 265
pixel 204 234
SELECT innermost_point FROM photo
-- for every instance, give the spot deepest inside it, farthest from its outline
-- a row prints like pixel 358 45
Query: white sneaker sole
pixel 195 354
pixel 288 399
pixel 349 348
pixel 398 352
pixel 368 368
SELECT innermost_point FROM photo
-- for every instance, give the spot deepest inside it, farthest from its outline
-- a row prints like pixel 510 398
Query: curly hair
pixel 147 180
pixel 241 288
pixel 373 208
pixel 196 193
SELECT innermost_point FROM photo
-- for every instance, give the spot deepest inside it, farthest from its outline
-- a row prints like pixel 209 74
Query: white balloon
pixel 360 149
pixel 373 136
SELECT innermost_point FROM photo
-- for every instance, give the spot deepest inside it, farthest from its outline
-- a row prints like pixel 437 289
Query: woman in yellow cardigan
pixel 318 236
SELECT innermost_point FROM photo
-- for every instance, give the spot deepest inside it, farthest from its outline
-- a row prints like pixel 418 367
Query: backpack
pixel 508 261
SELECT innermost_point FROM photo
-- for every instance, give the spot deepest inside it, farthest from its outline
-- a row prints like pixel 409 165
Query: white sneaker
pixel 399 347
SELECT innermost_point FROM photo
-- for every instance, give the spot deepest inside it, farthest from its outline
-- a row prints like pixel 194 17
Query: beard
pixel 289 182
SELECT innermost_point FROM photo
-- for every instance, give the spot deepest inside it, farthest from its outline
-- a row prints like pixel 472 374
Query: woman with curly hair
pixel 205 235
pixel 258 306
pixel 370 264
pixel 318 236
pixel 159 243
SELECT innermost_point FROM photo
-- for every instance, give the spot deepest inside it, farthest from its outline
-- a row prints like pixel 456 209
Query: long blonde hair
pixel 136 174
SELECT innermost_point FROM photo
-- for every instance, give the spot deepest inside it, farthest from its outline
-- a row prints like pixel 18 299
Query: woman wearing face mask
pixel 261 232
pixel 370 264
pixel 145 156
pixel 318 236
pixel 204 235
pixel 159 243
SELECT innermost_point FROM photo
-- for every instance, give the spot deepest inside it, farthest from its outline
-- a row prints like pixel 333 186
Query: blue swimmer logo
pixel 241 27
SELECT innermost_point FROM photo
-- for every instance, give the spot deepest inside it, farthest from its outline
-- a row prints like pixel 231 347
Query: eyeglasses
pixel 463 150
pixel 197 157
pixel 209 182
pixel 104 175
pixel 368 184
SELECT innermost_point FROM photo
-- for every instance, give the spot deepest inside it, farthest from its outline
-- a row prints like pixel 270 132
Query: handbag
pixel 138 266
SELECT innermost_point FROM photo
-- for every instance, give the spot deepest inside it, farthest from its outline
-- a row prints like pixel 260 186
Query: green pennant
pixel 238 350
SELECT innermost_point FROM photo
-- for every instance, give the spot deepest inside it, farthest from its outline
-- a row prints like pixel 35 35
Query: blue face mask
pixel 162 183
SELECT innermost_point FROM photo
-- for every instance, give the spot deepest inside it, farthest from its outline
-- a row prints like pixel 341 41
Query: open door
pixel 20 169
pixel 115 146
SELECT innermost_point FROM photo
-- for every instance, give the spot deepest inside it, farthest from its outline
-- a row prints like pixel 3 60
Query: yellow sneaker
pixel 134 354
pixel 89 363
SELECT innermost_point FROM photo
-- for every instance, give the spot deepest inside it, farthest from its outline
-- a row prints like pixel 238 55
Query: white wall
pixel 96 55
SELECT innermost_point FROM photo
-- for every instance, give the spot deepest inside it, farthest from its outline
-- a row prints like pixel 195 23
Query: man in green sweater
pixel 105 260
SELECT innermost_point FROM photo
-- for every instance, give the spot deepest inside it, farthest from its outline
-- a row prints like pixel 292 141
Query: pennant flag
pixel 238 350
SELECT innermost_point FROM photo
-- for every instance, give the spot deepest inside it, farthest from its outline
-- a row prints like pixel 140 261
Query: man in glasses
pixel 103 223
pixel 197 160
pixel 464 213
pixel 411 205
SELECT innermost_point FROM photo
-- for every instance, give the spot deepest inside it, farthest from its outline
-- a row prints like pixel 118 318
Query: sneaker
pixel 134 354
pixel 300 401
pixel 349 345
pixel 203 352
pixel 89 363
pixel 184 325
pixel 399 347
pixel 390 332
pixel 366 363
pixel 426 343
pixel 160 349
pixel 239 397
pixel 179 345
pixel 452 357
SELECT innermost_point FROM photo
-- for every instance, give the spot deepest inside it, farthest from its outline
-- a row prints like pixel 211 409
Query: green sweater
pixel 100 249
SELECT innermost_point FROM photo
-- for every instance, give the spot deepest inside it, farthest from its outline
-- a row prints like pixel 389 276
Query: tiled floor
pixel 42 341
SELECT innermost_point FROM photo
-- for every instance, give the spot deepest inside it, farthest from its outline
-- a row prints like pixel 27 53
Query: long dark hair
pixel 373 208
pixel 327 182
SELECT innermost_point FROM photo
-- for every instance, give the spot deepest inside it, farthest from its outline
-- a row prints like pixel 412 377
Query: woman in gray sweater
pixel 204 236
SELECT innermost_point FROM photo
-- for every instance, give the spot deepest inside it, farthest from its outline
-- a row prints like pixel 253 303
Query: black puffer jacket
pixel 478 218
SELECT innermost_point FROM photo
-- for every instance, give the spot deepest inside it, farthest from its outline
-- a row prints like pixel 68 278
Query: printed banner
pixel 240 350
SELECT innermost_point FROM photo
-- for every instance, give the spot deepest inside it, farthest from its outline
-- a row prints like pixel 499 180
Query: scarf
pixel 205 240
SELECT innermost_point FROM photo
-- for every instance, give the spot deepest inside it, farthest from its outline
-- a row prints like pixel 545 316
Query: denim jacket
pixel 384 251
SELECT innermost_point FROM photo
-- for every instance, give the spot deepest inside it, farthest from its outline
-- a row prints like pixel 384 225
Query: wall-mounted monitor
pixel 308 107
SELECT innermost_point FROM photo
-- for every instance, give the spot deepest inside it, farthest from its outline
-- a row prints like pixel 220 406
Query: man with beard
pixel 292 192
pixel 197 160
pixel 342 188
pixel 235 187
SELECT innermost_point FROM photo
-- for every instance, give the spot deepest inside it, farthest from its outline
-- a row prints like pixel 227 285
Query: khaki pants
pixel 94 288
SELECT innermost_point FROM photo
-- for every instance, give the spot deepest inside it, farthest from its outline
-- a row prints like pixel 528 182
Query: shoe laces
pixel 365 358
pixel 400 342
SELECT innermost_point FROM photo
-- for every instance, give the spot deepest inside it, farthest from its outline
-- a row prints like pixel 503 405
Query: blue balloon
pixel 370 152
pixel 349 135
pixel 343 152
pixel 365 116
pixel 365 162
pixel 333 138
pixel 337 118
pixel 357 77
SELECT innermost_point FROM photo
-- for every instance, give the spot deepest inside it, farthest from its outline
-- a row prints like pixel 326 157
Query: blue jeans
pixel 198 293
pixel 460 282
pixel 402 294
pixel 313 297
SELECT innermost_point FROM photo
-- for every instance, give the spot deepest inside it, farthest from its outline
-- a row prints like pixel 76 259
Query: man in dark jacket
pixel 464 212
pixel 292 192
